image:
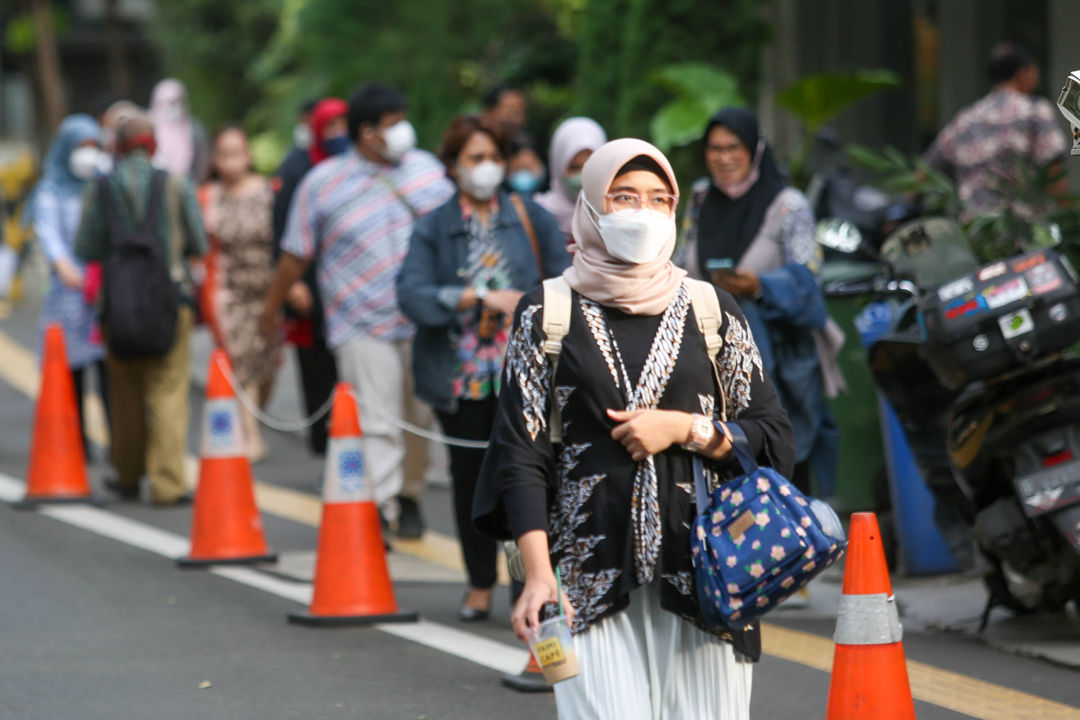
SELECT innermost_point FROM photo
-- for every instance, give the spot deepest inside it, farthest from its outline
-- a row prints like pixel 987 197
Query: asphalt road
pixel 92 627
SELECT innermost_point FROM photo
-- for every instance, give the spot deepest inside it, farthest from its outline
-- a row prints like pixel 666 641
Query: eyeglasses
pixel 660 202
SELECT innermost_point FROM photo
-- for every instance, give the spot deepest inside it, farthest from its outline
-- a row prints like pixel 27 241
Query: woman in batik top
pixel 611 504
pixel 467 265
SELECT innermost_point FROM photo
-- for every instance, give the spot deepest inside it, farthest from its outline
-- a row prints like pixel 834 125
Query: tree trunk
pixel 119 78
pixel 47 59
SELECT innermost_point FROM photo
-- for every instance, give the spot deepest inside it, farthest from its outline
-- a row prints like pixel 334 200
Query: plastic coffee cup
pixel 553 647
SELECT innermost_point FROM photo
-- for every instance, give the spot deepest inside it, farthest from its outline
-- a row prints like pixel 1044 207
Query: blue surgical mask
pixel 525 181
pixel 335 145
pixel 572 186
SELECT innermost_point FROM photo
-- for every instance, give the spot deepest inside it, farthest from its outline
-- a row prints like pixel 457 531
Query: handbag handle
pixel 740 446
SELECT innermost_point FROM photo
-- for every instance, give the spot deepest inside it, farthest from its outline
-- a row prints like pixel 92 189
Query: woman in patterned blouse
pixel 611 502
pixel 237 207
pixel 746 216
pixel 467 266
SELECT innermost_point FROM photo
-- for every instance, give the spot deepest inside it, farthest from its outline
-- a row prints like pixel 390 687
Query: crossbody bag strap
pixel 555 324
pixel 526 222
pixel 389 184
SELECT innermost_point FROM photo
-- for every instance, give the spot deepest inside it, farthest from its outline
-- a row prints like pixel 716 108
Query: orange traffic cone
pixel 225 524
pixel 869 676
pixel 57 469
pixel 352 583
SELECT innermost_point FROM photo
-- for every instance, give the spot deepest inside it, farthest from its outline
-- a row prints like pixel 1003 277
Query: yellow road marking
pixel 944 688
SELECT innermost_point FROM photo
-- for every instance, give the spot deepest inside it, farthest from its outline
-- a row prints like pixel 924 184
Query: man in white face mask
pixel 353 215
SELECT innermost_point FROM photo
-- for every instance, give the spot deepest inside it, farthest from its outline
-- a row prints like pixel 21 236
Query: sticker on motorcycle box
pixel 1027 263
pixel 992 271
pixel 1016 324
pixel 1007 292
pixel 964 307
pixel 1043 278
pixel 956 289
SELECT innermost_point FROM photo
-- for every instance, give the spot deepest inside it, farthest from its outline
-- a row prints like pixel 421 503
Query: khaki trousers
pixel 149 420
pixel 381 374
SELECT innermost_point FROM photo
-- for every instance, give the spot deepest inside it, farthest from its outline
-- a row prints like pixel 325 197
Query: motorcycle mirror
pixel 839 235
pixel 1069 105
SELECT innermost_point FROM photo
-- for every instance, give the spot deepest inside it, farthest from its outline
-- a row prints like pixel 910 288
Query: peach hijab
pixel 637 289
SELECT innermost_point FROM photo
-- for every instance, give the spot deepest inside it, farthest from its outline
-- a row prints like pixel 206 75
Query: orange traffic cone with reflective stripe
pixel 56 472
pixel 226 528
pixel 869 676
pixel 352 582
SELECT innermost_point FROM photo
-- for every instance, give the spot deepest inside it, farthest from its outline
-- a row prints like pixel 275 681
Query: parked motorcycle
pixel 977 369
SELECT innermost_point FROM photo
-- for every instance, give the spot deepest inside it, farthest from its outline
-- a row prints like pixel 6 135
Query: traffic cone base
pixel 226 527
pixel 31 502
pixel 56 471
pixel 402 616
pixel 352 583
pixel 193 562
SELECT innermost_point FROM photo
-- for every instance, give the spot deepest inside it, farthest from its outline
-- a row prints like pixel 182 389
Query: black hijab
pixel 726 227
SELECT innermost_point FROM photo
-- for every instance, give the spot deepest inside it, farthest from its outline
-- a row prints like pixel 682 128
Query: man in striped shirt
pixel 353 215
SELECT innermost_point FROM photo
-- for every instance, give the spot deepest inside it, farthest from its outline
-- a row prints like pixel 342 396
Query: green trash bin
pixel 861 456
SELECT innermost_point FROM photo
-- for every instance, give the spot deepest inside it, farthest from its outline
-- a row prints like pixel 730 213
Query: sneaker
pixel 410 524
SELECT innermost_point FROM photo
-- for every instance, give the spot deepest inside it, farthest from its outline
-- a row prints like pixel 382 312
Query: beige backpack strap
pixel 556 323
pixel 707 312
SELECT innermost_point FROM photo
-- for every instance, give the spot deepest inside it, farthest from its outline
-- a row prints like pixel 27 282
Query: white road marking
pixel 483 651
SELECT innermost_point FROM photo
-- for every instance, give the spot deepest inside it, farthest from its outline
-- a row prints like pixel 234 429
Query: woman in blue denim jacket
pixel 468 264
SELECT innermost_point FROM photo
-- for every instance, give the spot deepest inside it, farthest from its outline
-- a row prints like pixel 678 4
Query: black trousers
pixel 78 375
pixel 472 421
pixel 318 375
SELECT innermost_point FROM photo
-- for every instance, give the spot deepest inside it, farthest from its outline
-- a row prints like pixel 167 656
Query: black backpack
pixel 141 301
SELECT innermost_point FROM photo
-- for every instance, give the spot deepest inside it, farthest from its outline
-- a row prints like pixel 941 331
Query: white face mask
pixel 301 136
pixel 634 236
pixel 399 138
pixel 85 162
pixel 482 180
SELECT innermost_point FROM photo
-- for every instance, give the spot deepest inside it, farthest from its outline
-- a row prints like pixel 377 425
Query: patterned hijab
pixel 638 289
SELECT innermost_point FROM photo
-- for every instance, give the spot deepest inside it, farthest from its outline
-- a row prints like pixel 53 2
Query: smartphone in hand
pixel 719 268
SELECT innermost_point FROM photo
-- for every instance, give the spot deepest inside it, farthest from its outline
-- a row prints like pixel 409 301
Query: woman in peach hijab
pixel 609 504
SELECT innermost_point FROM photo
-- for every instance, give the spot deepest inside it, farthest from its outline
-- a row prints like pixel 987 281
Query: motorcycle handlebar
pixel 872 286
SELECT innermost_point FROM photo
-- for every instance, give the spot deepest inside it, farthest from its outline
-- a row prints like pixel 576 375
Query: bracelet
pixel 701 434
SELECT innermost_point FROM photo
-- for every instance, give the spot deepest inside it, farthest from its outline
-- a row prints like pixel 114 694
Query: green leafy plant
pixel 700 90
pixel 817 100
pixel 1025 219
pixel 897 174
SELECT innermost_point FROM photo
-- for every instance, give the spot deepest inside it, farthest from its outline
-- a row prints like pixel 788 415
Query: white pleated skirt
pixel 646 663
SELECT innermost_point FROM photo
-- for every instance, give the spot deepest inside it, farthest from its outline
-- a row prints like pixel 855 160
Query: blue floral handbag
pixel 756 539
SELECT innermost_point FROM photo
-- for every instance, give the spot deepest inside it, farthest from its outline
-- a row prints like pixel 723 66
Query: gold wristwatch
pixel 701 434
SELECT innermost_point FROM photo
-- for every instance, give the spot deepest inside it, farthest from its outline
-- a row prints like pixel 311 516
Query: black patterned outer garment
pixel 614 524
